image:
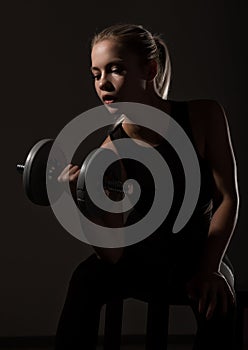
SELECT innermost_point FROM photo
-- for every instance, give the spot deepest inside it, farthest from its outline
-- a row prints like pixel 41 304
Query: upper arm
pixel 219 151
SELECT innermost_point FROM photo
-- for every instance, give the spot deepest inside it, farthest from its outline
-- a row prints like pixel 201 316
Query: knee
pixel 224 318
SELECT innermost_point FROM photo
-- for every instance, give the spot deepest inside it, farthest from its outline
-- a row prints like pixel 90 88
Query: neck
pixel 137 131
pixel 140 132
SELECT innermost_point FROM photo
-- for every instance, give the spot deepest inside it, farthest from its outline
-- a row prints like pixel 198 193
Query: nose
pixel 105 84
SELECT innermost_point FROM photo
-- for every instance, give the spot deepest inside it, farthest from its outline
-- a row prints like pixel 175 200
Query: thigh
pixel 97 278
pixel 94 277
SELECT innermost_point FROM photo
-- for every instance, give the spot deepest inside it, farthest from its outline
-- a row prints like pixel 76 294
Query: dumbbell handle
pixel 20 168
pixel 115 186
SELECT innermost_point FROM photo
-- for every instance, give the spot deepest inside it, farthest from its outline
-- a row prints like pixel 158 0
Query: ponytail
pixel 163 78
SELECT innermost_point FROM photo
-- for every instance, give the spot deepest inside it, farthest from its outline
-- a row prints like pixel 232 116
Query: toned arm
pixel 209 287
pixel 220 155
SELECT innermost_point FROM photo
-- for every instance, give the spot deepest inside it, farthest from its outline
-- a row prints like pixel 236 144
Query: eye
pixel 117 69
pixel 96 76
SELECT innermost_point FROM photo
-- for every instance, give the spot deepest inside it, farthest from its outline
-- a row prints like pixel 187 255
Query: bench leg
pixel 113 325
pixel 240 322
pixel 157 326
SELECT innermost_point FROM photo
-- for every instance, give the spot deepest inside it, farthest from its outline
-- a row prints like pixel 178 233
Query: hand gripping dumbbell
pixel 40 168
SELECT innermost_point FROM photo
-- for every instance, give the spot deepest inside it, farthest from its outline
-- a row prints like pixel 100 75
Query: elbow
pixel 232 202
pixel 228 199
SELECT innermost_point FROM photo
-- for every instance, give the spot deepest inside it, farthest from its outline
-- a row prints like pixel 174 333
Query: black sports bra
pixel 197 227
pixel 139 172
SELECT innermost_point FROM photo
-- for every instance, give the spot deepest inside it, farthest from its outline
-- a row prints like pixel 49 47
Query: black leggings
pixel 95 282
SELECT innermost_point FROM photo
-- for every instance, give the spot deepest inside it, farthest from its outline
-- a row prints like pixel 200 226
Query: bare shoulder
pixel 206 111
pixel 217 135
pixel 205 115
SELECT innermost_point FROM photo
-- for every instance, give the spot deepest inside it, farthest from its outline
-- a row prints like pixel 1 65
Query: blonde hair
pixel 145 45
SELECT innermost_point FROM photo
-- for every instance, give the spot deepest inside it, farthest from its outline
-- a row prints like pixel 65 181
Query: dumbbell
pixel 36 171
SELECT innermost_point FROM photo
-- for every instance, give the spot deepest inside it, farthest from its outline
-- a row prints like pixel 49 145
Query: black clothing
pixel 155 268
pixel 163 246
pixel 95 282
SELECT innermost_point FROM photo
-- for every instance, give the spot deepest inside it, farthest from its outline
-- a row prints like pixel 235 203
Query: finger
pixel 231 295
pixel 74 175
pixel 74 168
pixel 232 298
pixel 211 307
pixel 229 300
pixel 202 302
pixel 227 297
pixel 64 173
pixel 224 303
pixel 69 173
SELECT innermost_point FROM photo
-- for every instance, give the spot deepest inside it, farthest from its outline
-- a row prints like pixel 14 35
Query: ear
pixel 151 70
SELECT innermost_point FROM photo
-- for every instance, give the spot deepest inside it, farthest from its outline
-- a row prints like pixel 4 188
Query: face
pixel 118 74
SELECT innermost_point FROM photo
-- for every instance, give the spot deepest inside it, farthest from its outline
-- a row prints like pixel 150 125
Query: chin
pixel 114 108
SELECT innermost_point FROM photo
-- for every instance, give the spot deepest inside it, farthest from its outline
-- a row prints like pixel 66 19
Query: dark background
pixel 46 83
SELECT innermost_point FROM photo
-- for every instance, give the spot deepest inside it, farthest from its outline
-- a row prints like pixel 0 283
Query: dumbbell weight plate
pixel 34 173
pixel 111 182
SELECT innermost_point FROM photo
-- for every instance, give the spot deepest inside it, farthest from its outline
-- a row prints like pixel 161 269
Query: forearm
pixel 220 232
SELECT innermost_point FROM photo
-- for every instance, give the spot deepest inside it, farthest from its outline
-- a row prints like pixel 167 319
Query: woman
pixel 129 64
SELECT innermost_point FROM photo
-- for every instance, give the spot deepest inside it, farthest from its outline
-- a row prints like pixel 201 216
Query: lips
pixel 108 99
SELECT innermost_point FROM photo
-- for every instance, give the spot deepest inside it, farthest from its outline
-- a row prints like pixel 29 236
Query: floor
pixel 173 346
pixel 170 347
pixel 128 344
pixel 134 343
pixel 124 347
